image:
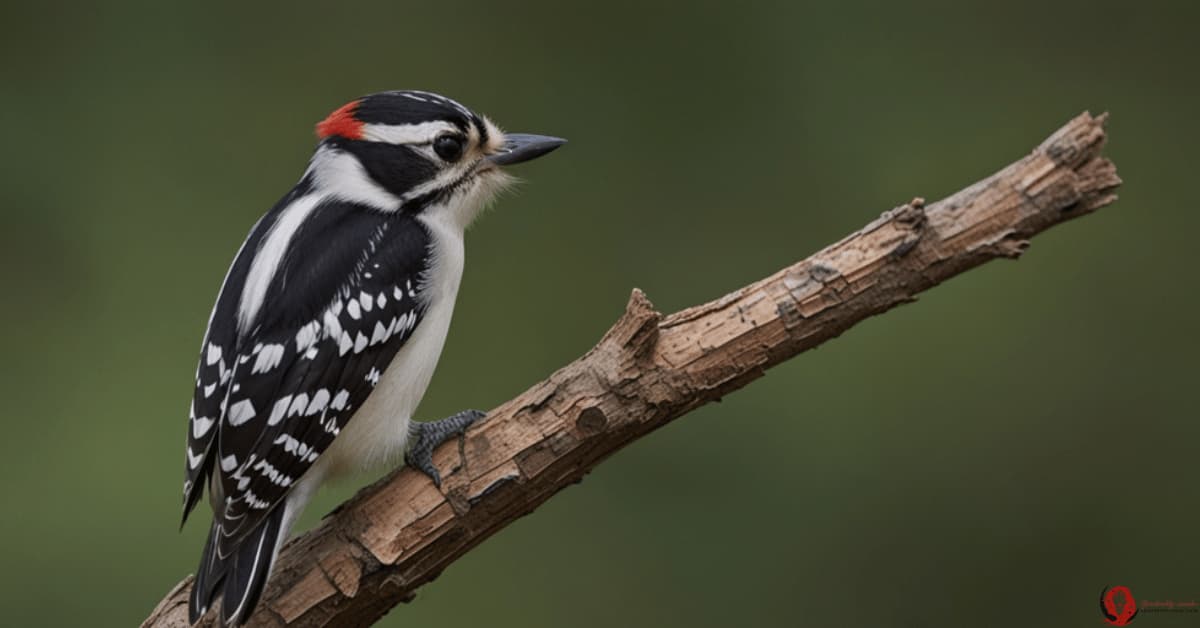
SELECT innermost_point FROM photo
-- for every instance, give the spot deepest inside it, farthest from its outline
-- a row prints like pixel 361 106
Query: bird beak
pixel 519 147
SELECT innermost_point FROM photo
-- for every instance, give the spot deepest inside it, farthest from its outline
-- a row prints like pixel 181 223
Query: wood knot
pixel 821 273
pixel 591 421
pixel 911 214
pixel 637 329
pixel 911 218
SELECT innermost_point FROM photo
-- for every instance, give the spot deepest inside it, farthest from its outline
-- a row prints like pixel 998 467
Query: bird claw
pixel 425 437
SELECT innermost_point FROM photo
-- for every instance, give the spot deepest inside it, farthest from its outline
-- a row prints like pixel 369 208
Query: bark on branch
pixel 376 549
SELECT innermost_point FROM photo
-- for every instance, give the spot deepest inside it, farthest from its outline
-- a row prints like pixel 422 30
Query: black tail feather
pixel 208 575
pixel 242 573
pixel 252 564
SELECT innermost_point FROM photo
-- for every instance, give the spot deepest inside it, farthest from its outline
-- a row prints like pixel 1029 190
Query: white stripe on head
pixel 341 176
pixel 270 255
pixel 417 94
pixel 419 133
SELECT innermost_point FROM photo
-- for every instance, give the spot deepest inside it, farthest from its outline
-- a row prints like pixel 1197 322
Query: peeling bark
pixel 376 549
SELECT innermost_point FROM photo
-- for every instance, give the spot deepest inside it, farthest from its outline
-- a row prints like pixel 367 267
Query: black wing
pixel 217 354
pixel 342 303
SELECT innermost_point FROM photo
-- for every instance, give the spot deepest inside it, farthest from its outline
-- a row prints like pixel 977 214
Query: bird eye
pixel 448 147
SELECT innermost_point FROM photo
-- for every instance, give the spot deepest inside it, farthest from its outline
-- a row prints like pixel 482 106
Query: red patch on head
pixel 342 123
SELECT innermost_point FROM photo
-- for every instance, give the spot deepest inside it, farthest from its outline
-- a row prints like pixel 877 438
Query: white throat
pixel 461 209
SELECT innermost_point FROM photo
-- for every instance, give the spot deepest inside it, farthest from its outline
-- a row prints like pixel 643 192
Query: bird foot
pixel 426 436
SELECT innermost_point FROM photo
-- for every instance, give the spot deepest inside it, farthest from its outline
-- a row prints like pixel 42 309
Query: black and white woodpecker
pixel 330 322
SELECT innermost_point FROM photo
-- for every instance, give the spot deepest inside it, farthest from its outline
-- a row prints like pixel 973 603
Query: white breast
pixel 378 431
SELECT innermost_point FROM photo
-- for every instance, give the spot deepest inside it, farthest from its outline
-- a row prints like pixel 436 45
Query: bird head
pixel 418 152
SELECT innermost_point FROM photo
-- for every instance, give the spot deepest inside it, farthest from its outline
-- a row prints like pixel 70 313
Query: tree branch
pixel 376 549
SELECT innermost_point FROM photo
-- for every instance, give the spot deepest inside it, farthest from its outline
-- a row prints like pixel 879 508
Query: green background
pixel 994 454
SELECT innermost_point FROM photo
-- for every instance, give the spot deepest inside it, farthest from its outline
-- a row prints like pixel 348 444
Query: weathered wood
pixel 394 536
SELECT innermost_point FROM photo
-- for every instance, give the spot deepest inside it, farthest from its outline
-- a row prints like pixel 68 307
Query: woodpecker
pixel 329 324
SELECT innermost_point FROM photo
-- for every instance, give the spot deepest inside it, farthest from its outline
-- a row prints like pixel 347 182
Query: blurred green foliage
pixel 994 454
